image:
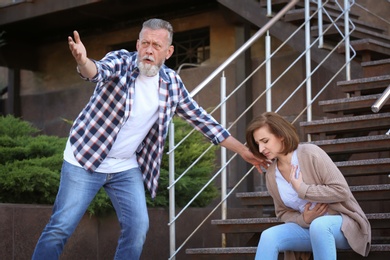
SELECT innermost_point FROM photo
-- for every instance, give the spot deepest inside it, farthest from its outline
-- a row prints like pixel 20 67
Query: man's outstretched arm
pixel 86 67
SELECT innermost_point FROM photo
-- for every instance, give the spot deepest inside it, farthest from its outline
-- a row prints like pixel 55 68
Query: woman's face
pixel 269 144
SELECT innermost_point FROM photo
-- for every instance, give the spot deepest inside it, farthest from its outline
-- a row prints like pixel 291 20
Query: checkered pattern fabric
pixel 95 129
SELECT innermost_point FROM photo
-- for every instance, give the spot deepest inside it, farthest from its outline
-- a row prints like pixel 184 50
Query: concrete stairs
pixel 356 140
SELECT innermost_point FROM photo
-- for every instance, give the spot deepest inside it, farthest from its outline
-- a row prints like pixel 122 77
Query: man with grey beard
pixel 117 140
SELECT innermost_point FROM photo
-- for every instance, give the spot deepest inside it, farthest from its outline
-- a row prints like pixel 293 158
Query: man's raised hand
pixel 78 49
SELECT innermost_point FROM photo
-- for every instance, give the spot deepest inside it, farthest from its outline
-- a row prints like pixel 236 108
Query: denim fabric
pixel 77 189
pixel 322 238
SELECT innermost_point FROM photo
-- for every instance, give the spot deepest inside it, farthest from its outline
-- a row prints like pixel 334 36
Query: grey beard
pixel 148 70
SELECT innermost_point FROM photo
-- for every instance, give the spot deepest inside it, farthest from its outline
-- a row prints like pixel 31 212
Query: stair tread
pixel 360 42
pixel 252 250
pixel 367 44
pixel 367 167
pixel 375 79
pixel 346 119
pixel 349 100
pixel 354 189
pixel 358 33
pixel 299 15
pixel 259 224
pixel 359 139
pixel 375 62
pixel 368 49
pixel 376 67
pixel 363 162
pixel 352 145
pixel 352 105
pixel 262 220
pixel 347 123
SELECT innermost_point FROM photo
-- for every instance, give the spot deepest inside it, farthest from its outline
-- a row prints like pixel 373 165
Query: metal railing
pixel 381 100
pixel 309 43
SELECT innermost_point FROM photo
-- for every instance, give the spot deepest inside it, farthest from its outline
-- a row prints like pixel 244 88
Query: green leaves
pixel 189 185
pixel 30 166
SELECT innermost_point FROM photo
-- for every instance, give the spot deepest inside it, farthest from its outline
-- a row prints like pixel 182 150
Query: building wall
pixel 56 91
pixel 96 238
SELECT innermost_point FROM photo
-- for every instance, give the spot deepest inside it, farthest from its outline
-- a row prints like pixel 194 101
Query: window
pixel 190 47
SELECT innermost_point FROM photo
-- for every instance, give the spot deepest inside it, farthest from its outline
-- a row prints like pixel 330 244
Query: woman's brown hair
pixel 278 126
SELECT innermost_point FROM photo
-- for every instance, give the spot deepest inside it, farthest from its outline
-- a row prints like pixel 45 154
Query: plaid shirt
pixel 95 129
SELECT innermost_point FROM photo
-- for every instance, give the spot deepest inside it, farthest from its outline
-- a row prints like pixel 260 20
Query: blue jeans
pixel 322 238
pixel 77 189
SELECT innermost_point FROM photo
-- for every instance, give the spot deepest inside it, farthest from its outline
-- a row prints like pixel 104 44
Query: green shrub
pixel 29 163
pixel 194 180
pixel 30 167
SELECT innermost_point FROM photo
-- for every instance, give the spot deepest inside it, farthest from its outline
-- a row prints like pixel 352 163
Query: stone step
pixel 366 167
pixel 365 86
pixel 364 144
pixel 297 16
pixel 255 225
pixel 361 193
pixel 347 125
pixel 332 34
pixel 376 68
pixel 368 49
pixel 353 105
pixel 377 252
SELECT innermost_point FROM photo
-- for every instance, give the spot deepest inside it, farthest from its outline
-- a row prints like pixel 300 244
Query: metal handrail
pixel 381 100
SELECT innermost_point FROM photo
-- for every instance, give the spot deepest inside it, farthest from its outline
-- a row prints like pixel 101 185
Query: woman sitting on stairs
pixel 310 194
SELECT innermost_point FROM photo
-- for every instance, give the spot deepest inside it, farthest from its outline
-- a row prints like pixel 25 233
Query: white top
pixel 287 193
pixel 144 113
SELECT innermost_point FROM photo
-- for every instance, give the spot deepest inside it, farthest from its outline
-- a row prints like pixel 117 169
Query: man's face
pixel 153 49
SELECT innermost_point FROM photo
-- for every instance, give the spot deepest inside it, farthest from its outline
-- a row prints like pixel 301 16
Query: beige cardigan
pixel 323 182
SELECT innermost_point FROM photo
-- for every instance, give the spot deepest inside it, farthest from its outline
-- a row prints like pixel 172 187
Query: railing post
pixel 347 43
pixel 172 203
pixel 308 62
pixel 269 8
pixel 268 72
pixel 320 25
pixel 223 156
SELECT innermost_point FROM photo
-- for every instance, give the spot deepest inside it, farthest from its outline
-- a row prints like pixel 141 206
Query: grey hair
pixel 156 24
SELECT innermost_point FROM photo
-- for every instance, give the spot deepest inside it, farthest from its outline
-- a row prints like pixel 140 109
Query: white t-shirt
pixel 143 114
pixel 287 193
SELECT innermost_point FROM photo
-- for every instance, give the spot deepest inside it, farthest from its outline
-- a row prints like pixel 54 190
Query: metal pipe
pixel 269 8
pixel 308 63
pixel 320 25
pixel 223 156
pixel 172 203
pixel 381 100
pixel 347 43
pixel 268 72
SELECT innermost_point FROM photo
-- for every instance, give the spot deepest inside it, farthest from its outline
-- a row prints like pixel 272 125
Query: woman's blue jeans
pixel 322 238
pixel 77 189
